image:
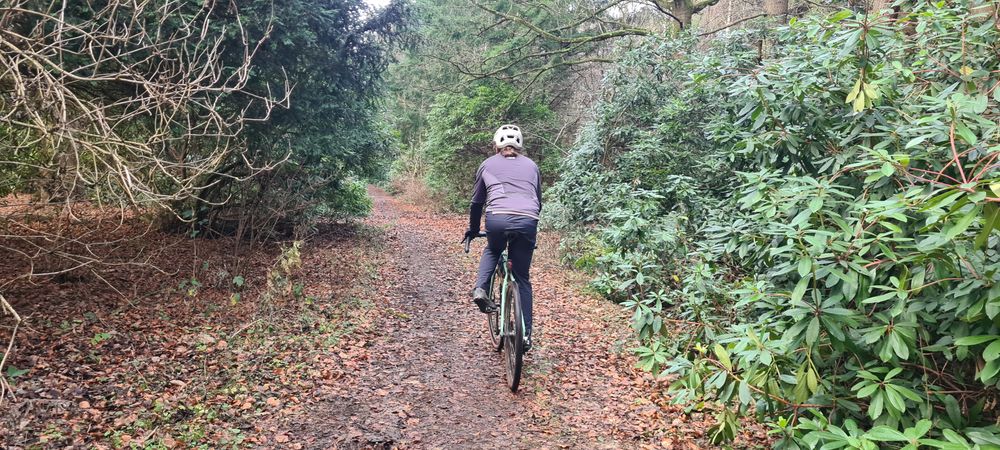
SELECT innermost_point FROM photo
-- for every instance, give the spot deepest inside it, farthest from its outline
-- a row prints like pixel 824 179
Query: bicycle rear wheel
pixel 513 347
pixel 493 318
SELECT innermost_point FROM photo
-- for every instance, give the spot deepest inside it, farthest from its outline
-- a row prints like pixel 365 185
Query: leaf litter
pixel 379 348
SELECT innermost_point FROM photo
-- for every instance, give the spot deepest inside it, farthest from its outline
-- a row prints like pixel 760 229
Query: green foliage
pixel 334 55
pixel 13 372
pixel 281 278
pixel 842 279
pixel 99 337
pixel 196 124
pixel 645 175
pixel 460 136
pixel 465 74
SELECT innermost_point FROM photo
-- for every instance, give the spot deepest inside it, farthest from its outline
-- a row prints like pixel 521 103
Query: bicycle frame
pixel 508 278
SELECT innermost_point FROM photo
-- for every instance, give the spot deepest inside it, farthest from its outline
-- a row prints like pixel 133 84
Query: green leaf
pixel 801 218
pixel 899 346
pixel 991 220
pixel 895 400
pixel 887 169
pixel 916 141
pixel 954 437
pixel 744 393
pixel 965 133
pixel 875 407
pixel 855 91
pixel 982 436
pixel 885 434
pixel 14 372
pixel 878 298
pixel 867 390
pixel 812 380
pixel 800 289
pixel 805 266
pixel 816 204
pixel 992 351
pixel 859 103
pixel 942 200
pixel 908 393
pixel 975 340
pixel 839 16
pixel 961 224
pixel 723 356
pixel 812 331
pixel 989 371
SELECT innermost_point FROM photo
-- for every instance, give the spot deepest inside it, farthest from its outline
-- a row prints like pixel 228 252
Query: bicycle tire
pixel 514 335
pixel 493 318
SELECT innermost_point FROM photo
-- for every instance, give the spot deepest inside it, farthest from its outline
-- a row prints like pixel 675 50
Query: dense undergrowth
pixel 460 132
pixel 807 235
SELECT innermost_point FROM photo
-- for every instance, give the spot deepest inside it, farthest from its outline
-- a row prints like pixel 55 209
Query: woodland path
pixel 378 346
pixel 431 380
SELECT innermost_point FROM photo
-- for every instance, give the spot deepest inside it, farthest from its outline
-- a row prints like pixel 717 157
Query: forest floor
pixel 373 343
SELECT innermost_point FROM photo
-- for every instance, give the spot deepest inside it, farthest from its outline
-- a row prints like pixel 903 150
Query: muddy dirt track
pixel 373 343
pixel 433 382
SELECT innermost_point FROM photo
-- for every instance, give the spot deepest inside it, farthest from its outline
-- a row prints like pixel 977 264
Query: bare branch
pixel 709 33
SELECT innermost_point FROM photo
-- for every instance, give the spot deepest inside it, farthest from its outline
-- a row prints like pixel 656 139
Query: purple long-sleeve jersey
pixel 509 186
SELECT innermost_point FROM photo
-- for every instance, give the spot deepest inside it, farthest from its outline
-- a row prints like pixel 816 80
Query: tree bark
pixel 683 10
pixel 878 5
pixel 776 8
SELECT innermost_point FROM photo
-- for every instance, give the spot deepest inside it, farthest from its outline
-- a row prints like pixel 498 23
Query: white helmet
pixel 508 136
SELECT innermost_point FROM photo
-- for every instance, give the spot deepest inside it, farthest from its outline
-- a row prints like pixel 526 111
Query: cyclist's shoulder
pixel 486 162
pixel 528 161
pixel 499 163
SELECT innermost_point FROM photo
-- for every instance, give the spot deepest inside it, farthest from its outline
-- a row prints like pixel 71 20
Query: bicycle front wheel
pixel 513 347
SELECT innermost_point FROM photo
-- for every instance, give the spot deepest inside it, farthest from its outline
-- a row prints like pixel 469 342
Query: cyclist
pixel 509 185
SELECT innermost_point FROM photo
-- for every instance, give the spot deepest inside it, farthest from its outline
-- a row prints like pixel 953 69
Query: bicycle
pixel 506 321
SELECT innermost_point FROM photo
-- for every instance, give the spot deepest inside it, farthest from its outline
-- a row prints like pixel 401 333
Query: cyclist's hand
pixel 469 236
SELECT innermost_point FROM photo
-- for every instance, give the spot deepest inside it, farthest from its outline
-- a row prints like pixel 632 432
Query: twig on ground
pixel 5 387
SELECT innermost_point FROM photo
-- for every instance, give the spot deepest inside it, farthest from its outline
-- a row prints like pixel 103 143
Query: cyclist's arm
pixel 478 200
pixel 538 187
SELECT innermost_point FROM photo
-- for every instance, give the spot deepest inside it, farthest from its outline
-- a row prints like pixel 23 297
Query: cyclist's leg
pixel 487 263
pixel 520 252
pixel 496 241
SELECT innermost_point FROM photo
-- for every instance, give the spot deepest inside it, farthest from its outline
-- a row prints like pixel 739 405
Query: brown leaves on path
pixel 433 382
pixel 184 355
pixel 378 347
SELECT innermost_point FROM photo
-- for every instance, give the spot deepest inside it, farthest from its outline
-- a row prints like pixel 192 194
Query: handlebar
pixel 468 241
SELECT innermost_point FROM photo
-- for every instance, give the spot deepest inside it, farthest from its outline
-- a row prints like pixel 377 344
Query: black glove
pixel 470 234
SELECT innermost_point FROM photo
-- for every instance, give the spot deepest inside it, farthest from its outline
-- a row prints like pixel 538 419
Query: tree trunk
pixel 683 11
pixel 878 5
pixel 776 8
